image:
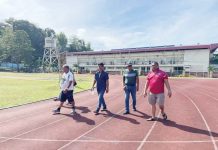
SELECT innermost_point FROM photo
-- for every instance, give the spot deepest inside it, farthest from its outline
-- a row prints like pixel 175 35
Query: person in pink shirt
pixel 154 89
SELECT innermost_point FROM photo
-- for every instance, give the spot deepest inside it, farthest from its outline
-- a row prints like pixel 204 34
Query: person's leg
pixel 160 101
pixel 103 101
pixel 152 102
pixel 71 100
pixel 133 94
pixel 99 102
pixel 62 100
pixel 153 108
pixel 127 93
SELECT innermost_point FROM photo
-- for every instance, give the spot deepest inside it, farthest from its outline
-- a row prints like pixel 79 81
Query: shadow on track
pixel 79 118
pixel 186 128
pixel 117 116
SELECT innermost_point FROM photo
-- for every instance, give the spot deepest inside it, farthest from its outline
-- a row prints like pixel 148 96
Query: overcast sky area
pixel 110 24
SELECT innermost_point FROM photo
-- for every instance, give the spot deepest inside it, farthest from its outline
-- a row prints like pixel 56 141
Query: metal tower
pixel 50 61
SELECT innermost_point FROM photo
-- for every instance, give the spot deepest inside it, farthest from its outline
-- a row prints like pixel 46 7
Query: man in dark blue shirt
pixel 102 80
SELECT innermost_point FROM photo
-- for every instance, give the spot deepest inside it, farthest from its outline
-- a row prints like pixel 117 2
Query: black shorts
pixel 67 96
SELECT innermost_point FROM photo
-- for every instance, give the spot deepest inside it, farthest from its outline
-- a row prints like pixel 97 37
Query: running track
pixel 192 124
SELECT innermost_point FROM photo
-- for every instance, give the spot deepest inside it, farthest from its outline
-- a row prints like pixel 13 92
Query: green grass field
pixel 21 88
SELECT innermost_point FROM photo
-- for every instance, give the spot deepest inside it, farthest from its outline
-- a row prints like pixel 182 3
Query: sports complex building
pixel 175 60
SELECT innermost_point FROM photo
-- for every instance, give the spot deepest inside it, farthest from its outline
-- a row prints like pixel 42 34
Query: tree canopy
pixel 22 43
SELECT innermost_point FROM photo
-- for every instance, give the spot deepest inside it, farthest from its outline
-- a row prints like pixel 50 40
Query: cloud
pixel 119 24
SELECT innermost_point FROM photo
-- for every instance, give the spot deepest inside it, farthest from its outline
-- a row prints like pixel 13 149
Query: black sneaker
pixel 126 113
pixel 134 109
pixel 56 111
pixel 164 116
pixel 96 112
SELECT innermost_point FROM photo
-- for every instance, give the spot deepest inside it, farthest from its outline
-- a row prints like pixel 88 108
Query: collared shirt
pixel 101 79
pixel 156 81
pixel 65 80
pixel 129 77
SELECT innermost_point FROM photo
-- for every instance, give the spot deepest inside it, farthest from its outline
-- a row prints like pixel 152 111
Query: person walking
pixel 154 89
pixel 67 87
pixel 102 80
pixel 130 86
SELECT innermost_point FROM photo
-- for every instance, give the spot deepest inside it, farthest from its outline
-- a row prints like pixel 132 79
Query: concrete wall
pixel 192 60
pixel 198 60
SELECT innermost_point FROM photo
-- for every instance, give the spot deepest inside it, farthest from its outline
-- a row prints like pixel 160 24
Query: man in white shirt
pixel 67 87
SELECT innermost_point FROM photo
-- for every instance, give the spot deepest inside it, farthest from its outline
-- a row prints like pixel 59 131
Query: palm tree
pixel 210 71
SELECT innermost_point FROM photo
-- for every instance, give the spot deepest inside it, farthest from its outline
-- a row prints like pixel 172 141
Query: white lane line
pixel 205 122
pixel 148 134
pixel 37 128
pixel 33 130
pixel 216 99
pixel 87 132
pixel 112 141
pixel 164 142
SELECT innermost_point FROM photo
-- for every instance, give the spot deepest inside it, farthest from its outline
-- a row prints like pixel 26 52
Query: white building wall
pixel 71 60
pixel 198 60
pixel 194 60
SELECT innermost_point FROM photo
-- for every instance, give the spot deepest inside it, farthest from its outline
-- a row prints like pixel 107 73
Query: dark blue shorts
pixel 67 96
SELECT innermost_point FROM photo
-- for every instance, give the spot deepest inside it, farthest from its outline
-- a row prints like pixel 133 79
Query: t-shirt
pixel 65 80
pixel 129 77
pixel 156 81
pixel 101 78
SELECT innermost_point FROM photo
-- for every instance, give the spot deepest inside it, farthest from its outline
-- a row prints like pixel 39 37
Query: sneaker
pixel 56 111
pixel 126 113
pixel 134 109
pixel 164 116
pixel 104 109
pixel 73 111
pixel 96 112
pixel 68 103
pixel 151 119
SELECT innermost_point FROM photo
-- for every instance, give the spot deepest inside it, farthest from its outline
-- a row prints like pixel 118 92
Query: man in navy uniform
pixel 102 80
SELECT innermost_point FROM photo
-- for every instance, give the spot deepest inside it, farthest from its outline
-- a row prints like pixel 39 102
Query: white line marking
pixel 33 129
pixel 87 132
pixel 163 142
pixel 112 141
pixel 205 122
pixel 148 134
pixel 37 128
pixel 216 99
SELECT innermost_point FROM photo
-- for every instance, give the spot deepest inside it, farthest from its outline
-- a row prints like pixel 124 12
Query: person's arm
pixel 107 86
pixel 146 88
pixel 70 83
pixel 70 78
pixel 137 83
pixel 168 87
pixel 93 85
pixel 124 85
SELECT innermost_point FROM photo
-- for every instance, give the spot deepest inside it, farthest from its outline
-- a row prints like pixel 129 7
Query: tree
pixel 78 45
pixel 6 44
pixel 211 69
pixel 62 41
pixel 22 50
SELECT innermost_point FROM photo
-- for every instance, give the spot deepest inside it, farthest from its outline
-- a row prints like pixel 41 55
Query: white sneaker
pixel 73 111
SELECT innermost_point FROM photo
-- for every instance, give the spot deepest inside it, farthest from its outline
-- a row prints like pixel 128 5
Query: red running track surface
pixel 192 123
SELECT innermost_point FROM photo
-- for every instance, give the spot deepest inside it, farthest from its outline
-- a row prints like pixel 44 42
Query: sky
pixel 111 24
